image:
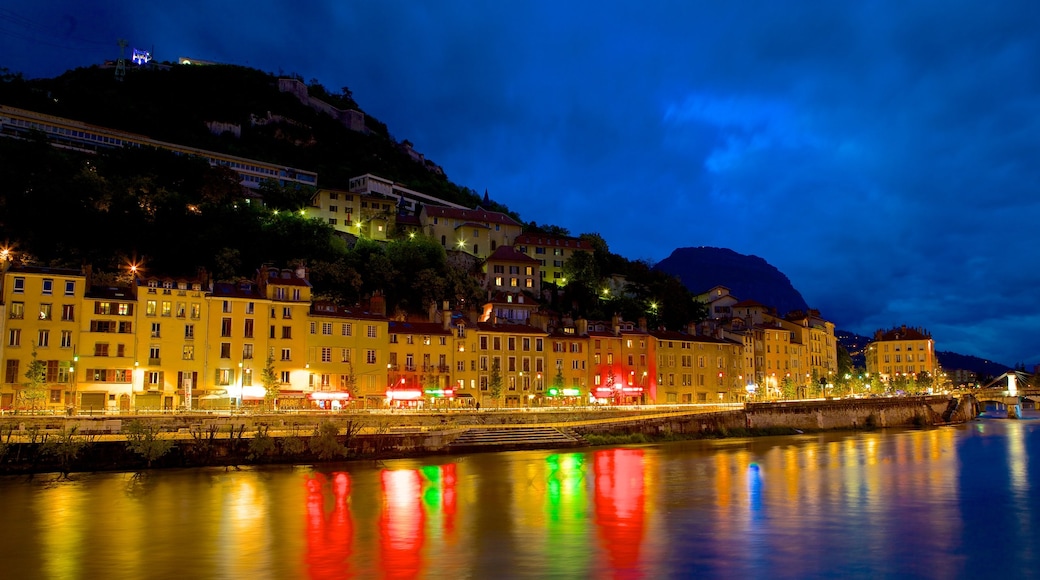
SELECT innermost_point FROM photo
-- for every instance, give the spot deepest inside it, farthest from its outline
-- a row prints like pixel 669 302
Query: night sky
pixel 884 155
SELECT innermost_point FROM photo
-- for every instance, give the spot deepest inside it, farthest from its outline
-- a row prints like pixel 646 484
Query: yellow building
pixel 420 361
pixel 107 349
pixel 518 352
pixel 902 353
pixel 551 252
pixel 170 323
pixel 821 346
pixel 40 310
pixel 232 337
pixel 568 364
pixel 343 347
pixel 698 369
pixel 477 232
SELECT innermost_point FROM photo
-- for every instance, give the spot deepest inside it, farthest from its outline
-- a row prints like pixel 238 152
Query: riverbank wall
pixel 52 444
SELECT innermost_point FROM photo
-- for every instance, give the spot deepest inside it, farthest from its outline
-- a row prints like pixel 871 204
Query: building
pixel 420 361
pixel 343 359
pixel 507 270
pixel 40 312
pixel 477 232
pixel 902 353
pixel 68 134
pixel 551 252
pixel 170 326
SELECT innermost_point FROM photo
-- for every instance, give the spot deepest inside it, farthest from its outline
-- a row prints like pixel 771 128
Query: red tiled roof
pixel 509 254
pixel 547 240
pixel 470 215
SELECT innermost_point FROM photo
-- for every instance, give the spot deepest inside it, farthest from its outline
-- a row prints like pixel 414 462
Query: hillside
pixel 747 277
pixel 175 105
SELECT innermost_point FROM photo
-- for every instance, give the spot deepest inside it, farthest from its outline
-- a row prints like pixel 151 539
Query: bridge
pixel 1009 390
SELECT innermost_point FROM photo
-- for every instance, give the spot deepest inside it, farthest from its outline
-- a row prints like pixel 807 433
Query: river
pixel 949 502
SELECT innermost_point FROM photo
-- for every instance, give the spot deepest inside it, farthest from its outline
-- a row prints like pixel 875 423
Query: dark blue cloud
pixel 881 154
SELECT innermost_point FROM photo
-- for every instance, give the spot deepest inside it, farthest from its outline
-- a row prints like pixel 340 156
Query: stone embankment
pixel 42 444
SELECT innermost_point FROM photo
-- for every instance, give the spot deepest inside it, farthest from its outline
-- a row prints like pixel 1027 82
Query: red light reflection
pixel 330 536
pixel 619 507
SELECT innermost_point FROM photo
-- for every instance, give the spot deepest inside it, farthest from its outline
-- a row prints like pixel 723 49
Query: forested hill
pixel 176 104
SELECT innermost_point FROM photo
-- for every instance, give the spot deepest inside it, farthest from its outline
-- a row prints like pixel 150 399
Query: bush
pixel 325 442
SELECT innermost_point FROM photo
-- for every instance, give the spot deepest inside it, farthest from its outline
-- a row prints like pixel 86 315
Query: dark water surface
pixel 951 502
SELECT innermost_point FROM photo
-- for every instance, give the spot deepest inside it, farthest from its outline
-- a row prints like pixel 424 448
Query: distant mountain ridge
pixel 747 277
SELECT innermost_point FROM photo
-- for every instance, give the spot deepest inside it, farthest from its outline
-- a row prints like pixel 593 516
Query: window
pixel 189 331
pixel 249 307
pixel 286 354
pixel 101 349
pixel 226 307
pixel 287 332
pixel 326 354
pixel 48 286
pixel 153 353
pixel 344 355
pixel 68 312
pixel 225 377
pixel 371 331
pixel 70 288
pixel 167 308
pixel 225 350
pixel 189 352
pixel 196 311
pixel 326 328
pixel 17 311
pixel 225 327
pixel 248 330
pixel 181 309
pixel 11 372
pixel 314 328
pixel 155 330
pixel 66 339
pixel 247 377
pixel 370 356
pixel 149 308
pixel 45 312
pixel 43 338
pixel 19 288
pixel 287 312
pixel 346 329
pixel 284 376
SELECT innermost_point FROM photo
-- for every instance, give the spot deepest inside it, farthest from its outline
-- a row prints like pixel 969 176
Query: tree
pixel 788 388
pixel 145 441
pixel 36 375
pixel 271 383
pixel 558 380
pixel 495 382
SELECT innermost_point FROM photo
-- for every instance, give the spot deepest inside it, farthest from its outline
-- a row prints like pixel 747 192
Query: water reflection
pixel 619 507
pixel 950 502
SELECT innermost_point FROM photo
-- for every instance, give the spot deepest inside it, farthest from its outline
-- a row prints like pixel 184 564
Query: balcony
pixel 154 362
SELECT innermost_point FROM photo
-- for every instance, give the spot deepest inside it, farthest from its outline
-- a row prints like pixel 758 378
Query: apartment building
pixel 478 232
pixel 169 354
pixel 41 310
pixel 420 361
pixel 551 253
pixel 345 360
pixel 902 352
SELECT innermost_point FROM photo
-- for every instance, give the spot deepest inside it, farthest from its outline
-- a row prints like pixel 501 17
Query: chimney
pixel 642 323
pixel 445 315
pixel 615 323
pixel 581 327
pixel 377 304
pixel 431 313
